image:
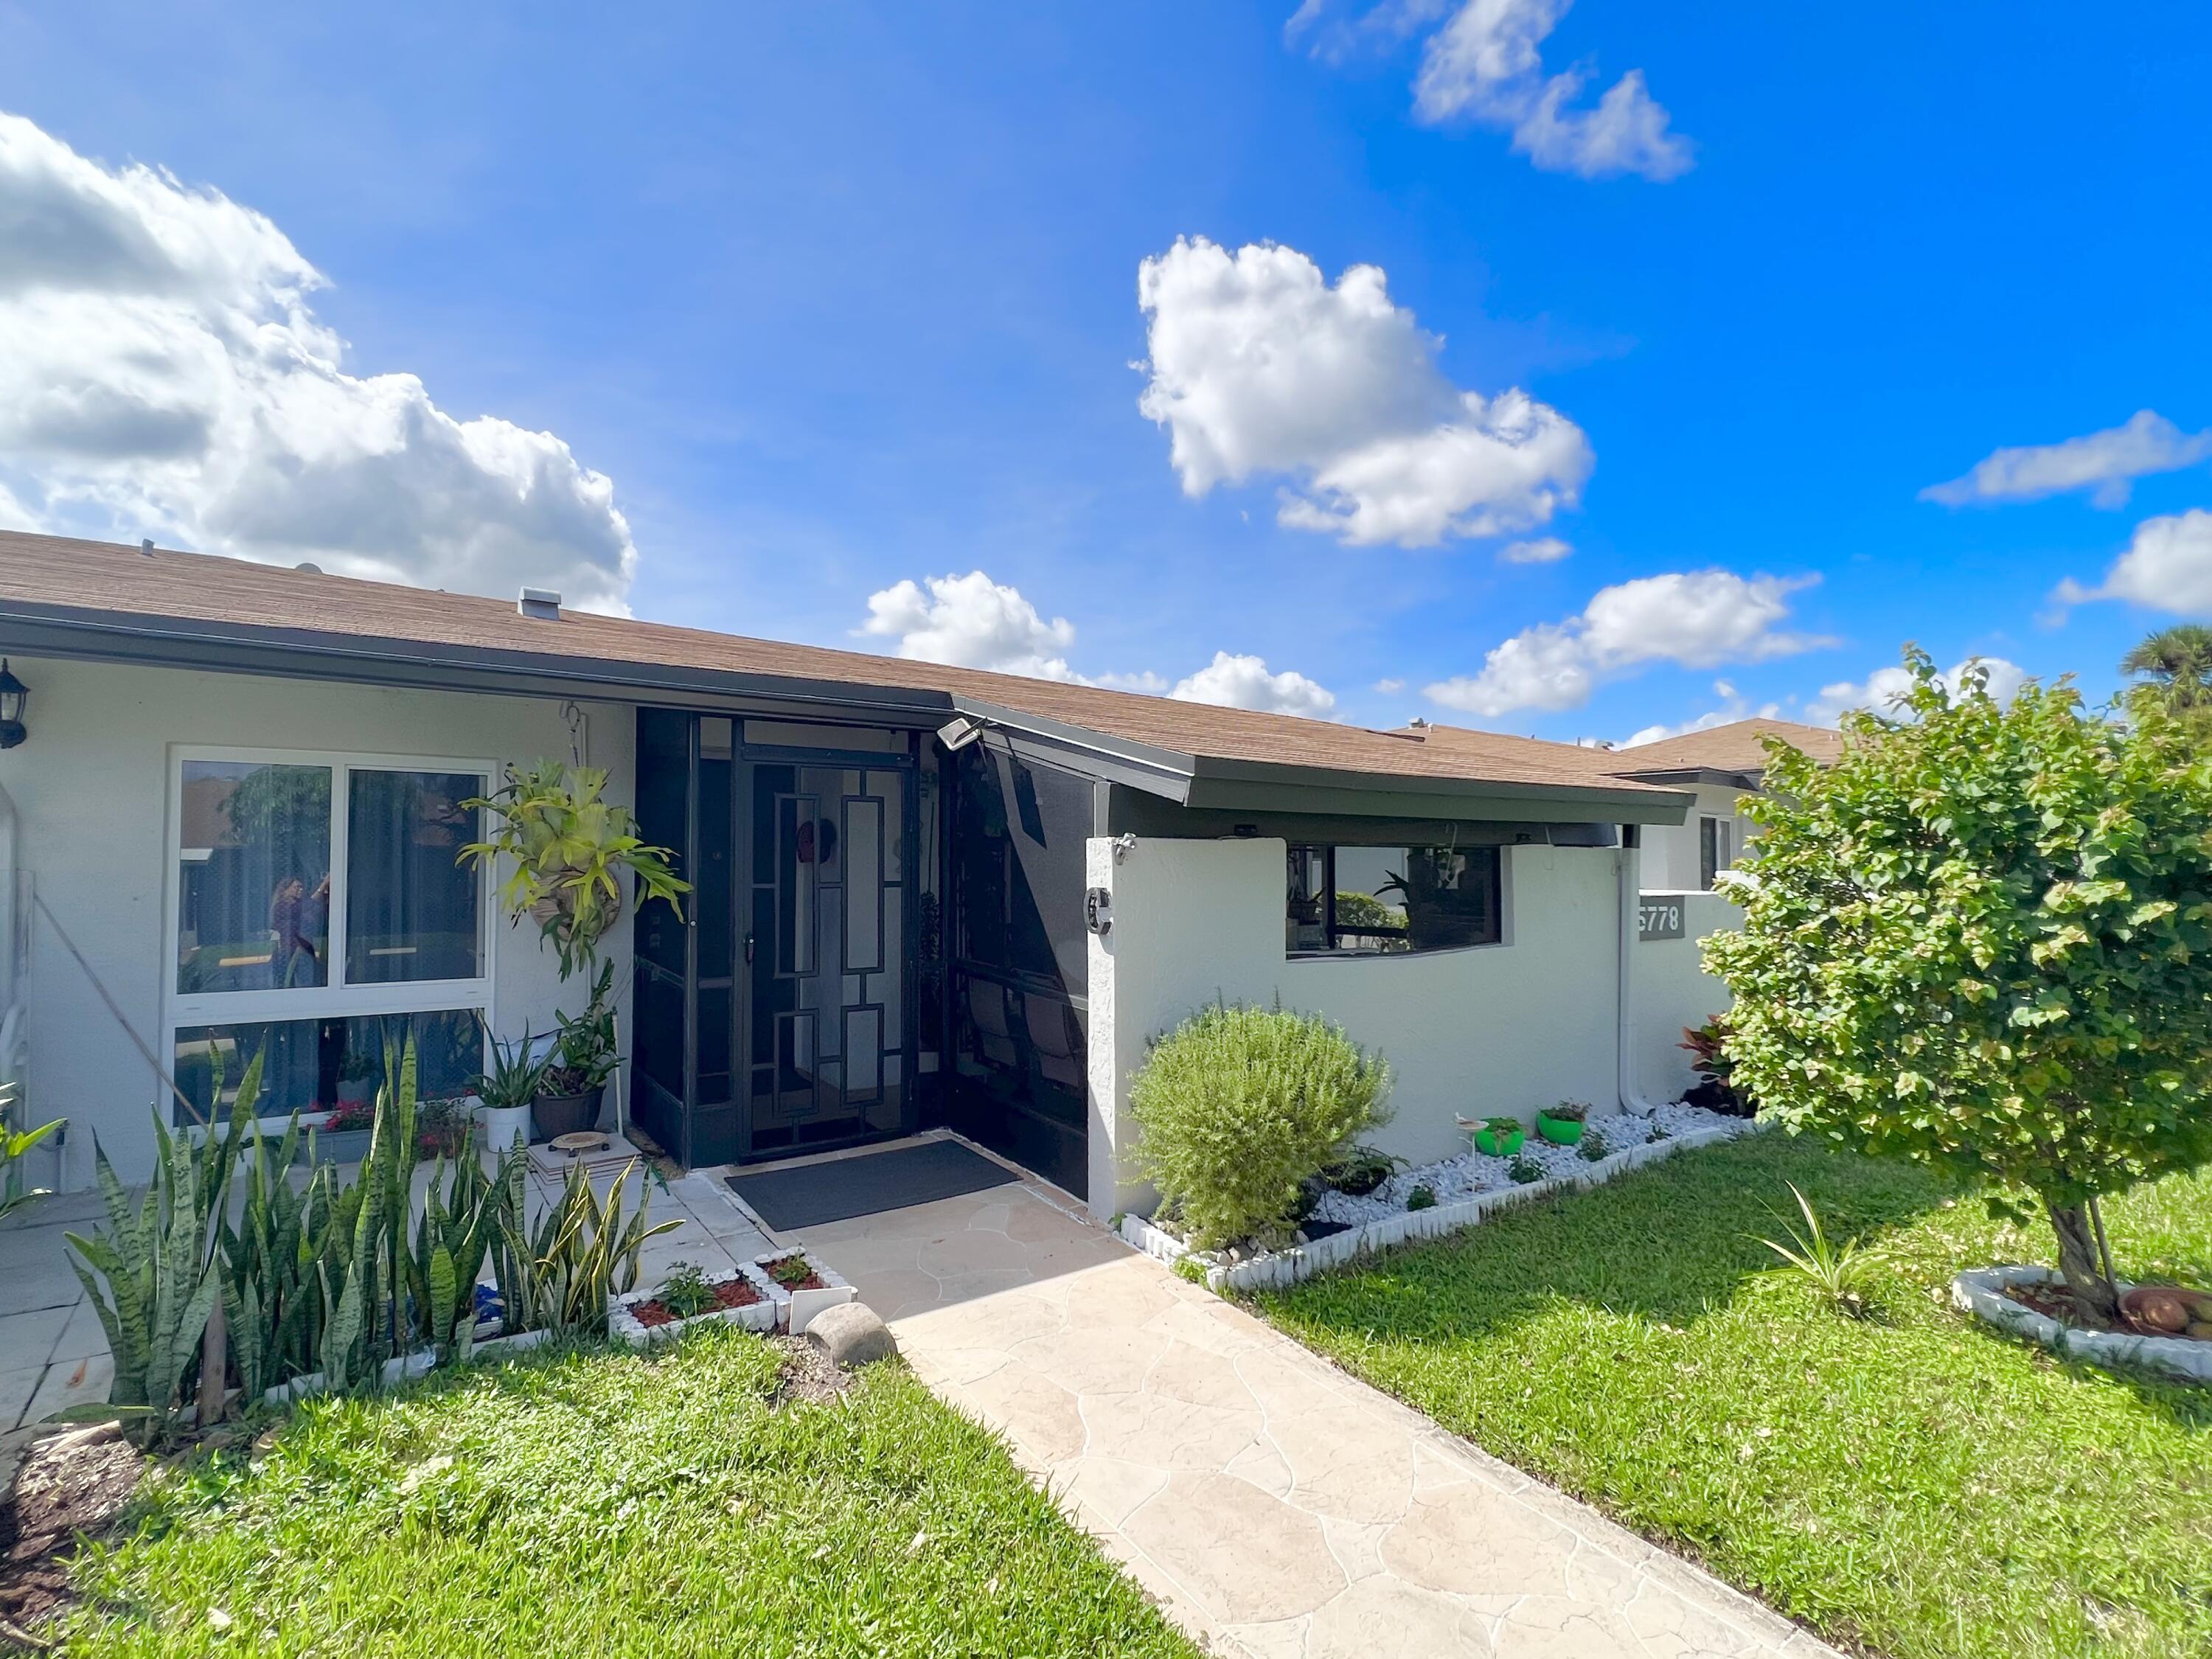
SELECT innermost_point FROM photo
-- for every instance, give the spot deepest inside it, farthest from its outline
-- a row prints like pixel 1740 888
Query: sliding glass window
pixel 319 907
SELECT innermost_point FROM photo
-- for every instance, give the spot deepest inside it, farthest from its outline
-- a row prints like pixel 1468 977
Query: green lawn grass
pixel 1914 1486
pixel 601 1503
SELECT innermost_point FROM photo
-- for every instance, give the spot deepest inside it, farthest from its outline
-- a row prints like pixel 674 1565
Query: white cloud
pixel 161 371
pixel 1390 688
pixel 1699 619
pixel 972 621
pixel 1258 366
pixel 1882 689
pixel 1732 708
pixel 2104 462
pixel 2167 567
pixel 1234 682
pixel 1544 549
pixel 1487 65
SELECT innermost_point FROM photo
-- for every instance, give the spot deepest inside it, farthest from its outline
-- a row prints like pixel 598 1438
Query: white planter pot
pixel 802 1308
pixel 497 1127
pixel 765 1314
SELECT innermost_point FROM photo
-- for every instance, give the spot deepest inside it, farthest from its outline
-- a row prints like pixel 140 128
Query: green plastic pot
pixel 1559 1131
pixel 1493 1144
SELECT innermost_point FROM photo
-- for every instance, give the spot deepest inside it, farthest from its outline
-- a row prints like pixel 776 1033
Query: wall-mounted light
pixel 14 698
pixel 958 734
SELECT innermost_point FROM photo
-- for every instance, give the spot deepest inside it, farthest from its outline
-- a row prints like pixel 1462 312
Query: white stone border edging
pixel 796 1309
pixel 1981 1291
pixel 764 1314
pixel 1272 1269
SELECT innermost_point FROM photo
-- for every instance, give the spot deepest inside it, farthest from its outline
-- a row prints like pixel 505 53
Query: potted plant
pixel 343 1136
pixel 505 1093
pixel 1562 1125
pixel 573 855
pixel 582 1060
pixel 1499 1137
pixel 442 1126
pixel 356 1080
pixel 810 1288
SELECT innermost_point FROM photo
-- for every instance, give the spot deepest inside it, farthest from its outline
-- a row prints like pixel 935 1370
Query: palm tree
pixel 2174 665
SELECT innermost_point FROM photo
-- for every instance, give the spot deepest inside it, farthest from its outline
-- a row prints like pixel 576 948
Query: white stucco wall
pixel 1499 1028
pixel 91 793
pixel 1670 851
pixel 1673 990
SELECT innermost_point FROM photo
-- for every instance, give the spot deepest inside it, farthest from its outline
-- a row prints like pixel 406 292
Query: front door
pixel 824 914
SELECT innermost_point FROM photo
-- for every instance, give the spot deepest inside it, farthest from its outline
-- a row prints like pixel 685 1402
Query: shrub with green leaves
pixel 1981 939
pixel 1240 1107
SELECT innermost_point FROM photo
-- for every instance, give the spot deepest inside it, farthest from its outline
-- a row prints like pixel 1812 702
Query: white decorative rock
pixel 1479 1187
pixel 1981 1291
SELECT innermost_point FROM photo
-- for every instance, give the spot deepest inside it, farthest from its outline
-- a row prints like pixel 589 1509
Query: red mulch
pixel 730 1294
pixel 2057 1302
pixel 70 1485
pixel 780 1271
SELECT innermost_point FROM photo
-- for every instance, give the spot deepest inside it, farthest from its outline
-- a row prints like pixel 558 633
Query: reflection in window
pixel 1376 899
pixel 317 1064
pixel 413 913
pixel 253 909
pixel 1714 852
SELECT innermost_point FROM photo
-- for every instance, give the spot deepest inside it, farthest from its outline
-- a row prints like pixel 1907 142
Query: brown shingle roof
pixel 1736 747
pixel 40 576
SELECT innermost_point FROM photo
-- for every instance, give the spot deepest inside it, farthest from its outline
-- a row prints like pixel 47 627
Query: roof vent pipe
pixel 540 604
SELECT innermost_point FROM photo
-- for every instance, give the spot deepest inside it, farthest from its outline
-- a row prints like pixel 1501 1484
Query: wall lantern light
pixel 14 694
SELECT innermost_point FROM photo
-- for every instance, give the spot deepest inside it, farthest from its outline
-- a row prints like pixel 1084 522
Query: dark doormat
pixel 810 1194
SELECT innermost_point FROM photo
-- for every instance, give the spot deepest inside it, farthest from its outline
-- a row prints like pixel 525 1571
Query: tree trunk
pixel 2096 1296
pixel 214 1357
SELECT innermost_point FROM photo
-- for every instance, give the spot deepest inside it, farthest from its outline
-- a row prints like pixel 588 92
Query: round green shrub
pixel 1240 1107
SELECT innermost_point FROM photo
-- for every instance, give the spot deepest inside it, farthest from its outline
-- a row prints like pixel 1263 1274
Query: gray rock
pixel 852 1335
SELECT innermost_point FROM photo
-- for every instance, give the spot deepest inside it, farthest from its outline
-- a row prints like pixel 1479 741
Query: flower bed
pixel 805 1296
pixel 745 1296
pixel 1994 1294
pixel 1466 1189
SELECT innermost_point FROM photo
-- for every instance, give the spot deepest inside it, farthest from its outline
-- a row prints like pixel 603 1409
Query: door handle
pixel 749 950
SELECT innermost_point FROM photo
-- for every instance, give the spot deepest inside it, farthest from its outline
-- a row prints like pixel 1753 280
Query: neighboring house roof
pixel 67 597
pixel 1731 754
pixel 1738 748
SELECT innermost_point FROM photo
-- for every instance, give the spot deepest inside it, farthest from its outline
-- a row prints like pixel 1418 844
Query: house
pixel 922 895
pixel 1719 766
pixel 1680 900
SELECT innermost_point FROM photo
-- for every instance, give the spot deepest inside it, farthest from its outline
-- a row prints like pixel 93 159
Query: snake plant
pixel 154 1274
pixel 583 1251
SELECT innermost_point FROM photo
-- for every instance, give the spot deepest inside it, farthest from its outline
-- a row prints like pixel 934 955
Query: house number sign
pixel 1659 919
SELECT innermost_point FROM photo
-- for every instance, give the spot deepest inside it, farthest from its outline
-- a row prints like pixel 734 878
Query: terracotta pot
pixel 567 1115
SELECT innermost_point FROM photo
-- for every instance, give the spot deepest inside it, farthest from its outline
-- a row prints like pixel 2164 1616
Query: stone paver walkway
pixel 1274 1505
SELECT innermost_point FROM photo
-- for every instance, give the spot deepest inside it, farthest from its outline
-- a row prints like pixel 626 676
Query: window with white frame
pixel 318 915
pixel 1716 849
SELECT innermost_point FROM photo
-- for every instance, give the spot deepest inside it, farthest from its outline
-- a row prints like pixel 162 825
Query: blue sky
pixel 839 297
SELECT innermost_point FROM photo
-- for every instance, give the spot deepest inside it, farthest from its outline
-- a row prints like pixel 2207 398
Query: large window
pixel 319 910
pixel 1377 900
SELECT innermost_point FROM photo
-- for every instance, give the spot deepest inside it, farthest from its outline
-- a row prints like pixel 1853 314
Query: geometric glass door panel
pixel 826 969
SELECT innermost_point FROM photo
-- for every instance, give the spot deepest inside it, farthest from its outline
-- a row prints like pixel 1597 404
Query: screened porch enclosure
pixel 777 1015
pixel 882 938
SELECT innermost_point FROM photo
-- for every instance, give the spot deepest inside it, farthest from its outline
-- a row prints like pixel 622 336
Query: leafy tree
pixel 1981 939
